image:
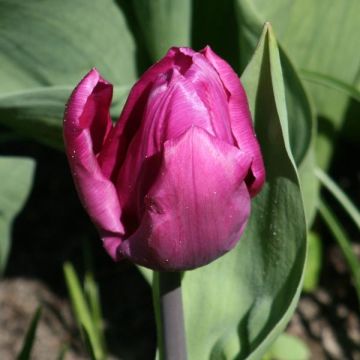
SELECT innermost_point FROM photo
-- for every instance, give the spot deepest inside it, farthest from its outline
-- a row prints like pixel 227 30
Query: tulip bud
pixel 169 186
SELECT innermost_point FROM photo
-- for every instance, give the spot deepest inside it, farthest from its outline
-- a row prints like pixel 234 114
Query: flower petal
pixel 240 118
pixel 213 95
pixel 197 208
pixel 170 111
pixel 86 125
pixel 135 106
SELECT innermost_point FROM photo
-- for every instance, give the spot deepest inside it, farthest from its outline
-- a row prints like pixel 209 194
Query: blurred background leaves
pixel 306 87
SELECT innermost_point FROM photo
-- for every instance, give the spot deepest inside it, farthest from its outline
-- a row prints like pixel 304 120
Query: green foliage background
pixel 299 74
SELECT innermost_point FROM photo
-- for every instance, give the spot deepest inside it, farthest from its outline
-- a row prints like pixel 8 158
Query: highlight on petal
pixel 174 109
pixel 86 125
pixel 240 116
pixel 196 209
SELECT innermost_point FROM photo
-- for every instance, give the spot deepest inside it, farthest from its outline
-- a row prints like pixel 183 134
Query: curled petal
pixel 86 125
pixel 240 119
pixel 196 209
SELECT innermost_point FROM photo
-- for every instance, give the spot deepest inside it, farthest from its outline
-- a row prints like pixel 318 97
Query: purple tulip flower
pixel 169 186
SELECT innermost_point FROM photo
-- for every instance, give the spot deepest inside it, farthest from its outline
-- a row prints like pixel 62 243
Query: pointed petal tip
pixel 78 98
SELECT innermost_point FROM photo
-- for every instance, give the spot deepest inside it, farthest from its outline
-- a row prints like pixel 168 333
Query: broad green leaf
pixel 56 42
pixel 83 314
pixel 301 128
pixel 344 243
pixel 238 305
pixel 319 38
pixel 313 262
pixel 314 34
pixel 25 352
pixel 38 112
pixel 164 23
pixel 302 131
pixel 46 47
pixel 301 118
pixel 288 347
pixel 16 175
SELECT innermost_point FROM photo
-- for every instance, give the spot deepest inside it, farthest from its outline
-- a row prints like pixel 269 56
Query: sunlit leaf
pixel 46 47
pixel 315 45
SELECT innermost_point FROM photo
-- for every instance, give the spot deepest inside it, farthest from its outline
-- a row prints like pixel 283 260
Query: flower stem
pixel 172 316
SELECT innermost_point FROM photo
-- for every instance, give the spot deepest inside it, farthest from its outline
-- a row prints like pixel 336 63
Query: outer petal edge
pixel 96 192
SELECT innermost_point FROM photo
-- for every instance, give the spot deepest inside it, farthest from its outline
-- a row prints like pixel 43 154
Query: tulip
pixel 169 186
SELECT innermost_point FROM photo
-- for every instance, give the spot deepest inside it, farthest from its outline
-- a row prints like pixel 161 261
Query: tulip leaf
pixel 16 175
pixel 45 49
pixel 301 115
pixel 320 39
pixel 38 112
pixel 300 119
pixel 238 305
pixel 56 42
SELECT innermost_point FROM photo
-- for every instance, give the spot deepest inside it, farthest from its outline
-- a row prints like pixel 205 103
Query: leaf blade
pixel 25 352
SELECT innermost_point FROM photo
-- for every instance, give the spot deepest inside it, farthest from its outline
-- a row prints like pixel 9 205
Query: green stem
pixel 171 316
